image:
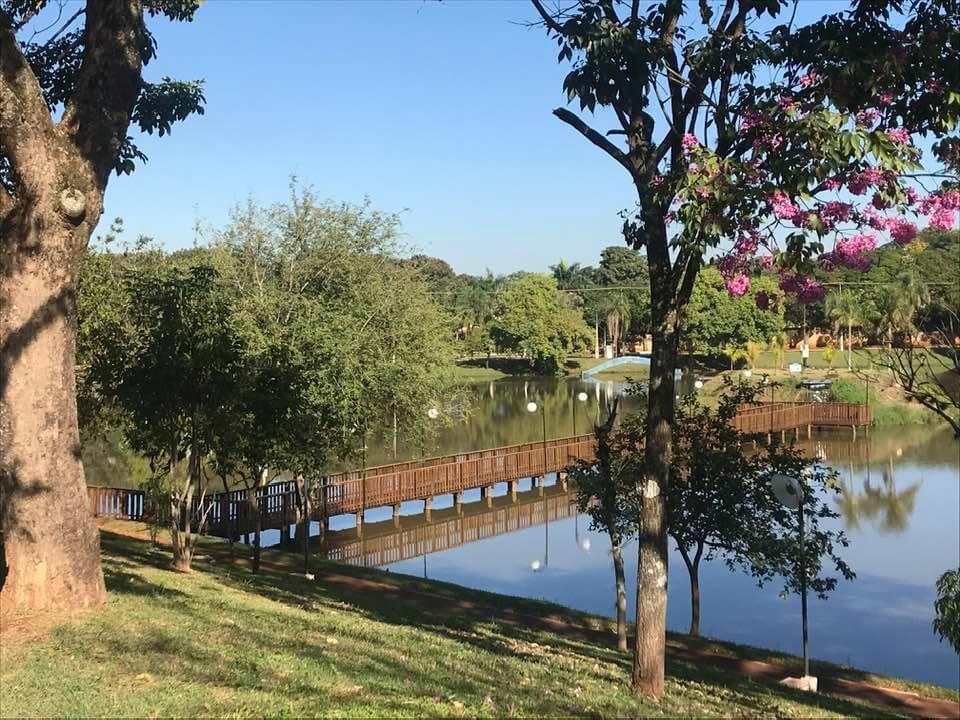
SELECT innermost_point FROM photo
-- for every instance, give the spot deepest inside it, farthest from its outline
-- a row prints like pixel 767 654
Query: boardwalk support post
pixel 428 507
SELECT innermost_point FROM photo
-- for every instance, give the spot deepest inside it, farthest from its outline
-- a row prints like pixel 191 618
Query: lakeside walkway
pixel 355 491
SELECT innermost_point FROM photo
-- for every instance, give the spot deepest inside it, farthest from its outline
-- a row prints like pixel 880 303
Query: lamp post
pixel 579 397
pixel 532 407
pixel 789 492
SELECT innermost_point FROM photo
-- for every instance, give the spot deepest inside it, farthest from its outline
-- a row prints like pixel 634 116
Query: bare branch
pixel 549 21
pixel 67 24
pixel 595 137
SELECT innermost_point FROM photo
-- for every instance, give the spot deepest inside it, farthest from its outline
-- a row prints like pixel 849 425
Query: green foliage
pixel 716 320
pixel 947 621
pixel 884 415
pixel 532 316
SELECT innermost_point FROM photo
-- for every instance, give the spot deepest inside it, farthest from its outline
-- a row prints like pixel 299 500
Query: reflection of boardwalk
pixel 389 485
pixel 384 543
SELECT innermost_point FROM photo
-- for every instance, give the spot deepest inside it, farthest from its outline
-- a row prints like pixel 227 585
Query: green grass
pixel 223 642
pixel 767 360
pixel 885 414
pixel 470 373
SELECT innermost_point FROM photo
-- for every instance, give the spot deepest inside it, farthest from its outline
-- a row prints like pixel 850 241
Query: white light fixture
pixel 433 413
pixel 698 384
pixel 582 396
pixel 585 544
pixel 535 565
pixel 787 490
pixel 531 406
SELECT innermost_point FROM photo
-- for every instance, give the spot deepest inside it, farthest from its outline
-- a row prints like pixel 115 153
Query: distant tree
pixel 567 276
pixel 715 319
pixel 846 310
pixel 175 374
pixel 607 494
pixel 947 621
pixel 929 376
pixel 532 316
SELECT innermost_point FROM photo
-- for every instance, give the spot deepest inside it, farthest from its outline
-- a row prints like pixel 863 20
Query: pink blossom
pixel 900 136
pixel 912 195
pixel 690 143
pixel 781 206
pixel 809 79
pixel 865 118
pixel 880 202
pixel 859 182
pixel 833 212
pixel 765 261
pixel 669 218
pixel 656 181
pixel 751 119
pixel 787 103
pixel 747 243
pixel 703 191
pixel 943 218
pixel 732 265
pixel 874 219
pixel 738 285
pixel 885 99
pixel 831 183
pixel 902 231
pixel 694 168
pixel 935 87
pixel 806 289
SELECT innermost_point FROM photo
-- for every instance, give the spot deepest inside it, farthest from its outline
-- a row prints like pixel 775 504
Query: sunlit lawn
pixel 222 642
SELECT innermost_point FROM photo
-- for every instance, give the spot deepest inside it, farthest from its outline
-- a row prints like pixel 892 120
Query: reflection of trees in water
pixel 886 506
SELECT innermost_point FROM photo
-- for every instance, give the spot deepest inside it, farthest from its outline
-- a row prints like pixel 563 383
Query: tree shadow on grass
pixel 514 629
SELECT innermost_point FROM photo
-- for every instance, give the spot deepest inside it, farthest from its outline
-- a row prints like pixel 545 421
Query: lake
pixel 900 510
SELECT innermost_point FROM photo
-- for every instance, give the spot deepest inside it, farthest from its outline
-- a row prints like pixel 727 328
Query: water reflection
pixel 900 506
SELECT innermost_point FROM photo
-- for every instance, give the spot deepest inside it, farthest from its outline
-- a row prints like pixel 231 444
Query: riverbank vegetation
pixel 221 642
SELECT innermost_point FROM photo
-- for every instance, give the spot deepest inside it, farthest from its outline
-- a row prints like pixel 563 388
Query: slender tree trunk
pixel 650 648
pixel 49 544
pixel 253 503
pixel 621 597
pixel 693 570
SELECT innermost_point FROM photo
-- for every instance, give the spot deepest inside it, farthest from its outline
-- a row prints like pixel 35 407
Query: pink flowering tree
pixel 773 146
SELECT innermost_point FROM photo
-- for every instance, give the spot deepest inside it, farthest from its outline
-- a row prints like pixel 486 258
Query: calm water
pixel 901 512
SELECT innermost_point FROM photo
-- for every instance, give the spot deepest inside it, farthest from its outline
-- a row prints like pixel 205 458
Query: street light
pixel 698 384
pixel 532 408
pixel 579 397
pixel 789 492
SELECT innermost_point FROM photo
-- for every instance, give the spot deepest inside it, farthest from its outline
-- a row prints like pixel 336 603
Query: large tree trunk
pixel 49 545
pixel 650 648
pixel 621 598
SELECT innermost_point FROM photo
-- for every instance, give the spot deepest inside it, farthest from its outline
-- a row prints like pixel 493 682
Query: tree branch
pixel 25 124
pixel 549 21
pixel 595 137
pixel 97 115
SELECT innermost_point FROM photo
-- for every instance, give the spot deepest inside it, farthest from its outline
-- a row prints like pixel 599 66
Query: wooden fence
pixel 229 514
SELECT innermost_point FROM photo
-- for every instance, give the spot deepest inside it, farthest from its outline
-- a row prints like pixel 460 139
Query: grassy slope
pixel 224 642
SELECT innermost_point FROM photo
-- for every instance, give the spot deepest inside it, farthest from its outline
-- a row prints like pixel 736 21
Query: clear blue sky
pixel 441 111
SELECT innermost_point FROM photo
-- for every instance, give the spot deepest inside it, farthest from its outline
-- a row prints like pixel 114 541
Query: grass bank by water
pixel 352 643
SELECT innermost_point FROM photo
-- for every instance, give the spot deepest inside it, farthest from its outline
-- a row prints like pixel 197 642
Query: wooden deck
pixel 389 485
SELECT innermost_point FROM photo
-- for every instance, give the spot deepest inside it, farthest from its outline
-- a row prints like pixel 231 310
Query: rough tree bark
pixel 59 174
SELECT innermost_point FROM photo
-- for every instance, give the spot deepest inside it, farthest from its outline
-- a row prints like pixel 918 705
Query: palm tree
pixel 845 309
pixel 565 275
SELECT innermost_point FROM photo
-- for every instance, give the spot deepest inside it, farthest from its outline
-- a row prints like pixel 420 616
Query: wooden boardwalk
pixel 354 491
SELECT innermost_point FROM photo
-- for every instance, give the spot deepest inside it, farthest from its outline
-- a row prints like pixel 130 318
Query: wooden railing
pixel 229 513
pixel 777 417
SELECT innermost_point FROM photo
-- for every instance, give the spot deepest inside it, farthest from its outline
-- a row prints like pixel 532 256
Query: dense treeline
pixel 584 307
